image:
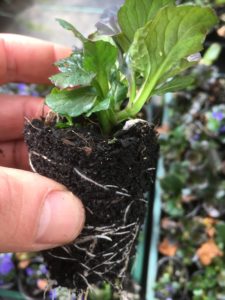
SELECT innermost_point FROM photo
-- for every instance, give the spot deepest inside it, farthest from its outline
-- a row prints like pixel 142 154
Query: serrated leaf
pixel 176 84
pixel 71 103
pixel 66 25
pixel 135 14
pixel 100 106
pixel 72 73
pixel 73 77
pixel 173 35
pixel 68 63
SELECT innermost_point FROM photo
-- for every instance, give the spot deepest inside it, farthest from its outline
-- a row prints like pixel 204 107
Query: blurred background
pixel 37 17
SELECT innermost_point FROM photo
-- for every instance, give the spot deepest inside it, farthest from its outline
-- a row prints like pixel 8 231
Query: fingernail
pixel 61 219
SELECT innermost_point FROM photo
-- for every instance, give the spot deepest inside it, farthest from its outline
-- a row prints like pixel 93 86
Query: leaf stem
pixel 143 95
pixel 132 89
pixel 102 79
pixel 69 120
pixel 136 105
pixel 104 120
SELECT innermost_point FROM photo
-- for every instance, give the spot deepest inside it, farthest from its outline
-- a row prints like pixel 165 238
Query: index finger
pixel 27 59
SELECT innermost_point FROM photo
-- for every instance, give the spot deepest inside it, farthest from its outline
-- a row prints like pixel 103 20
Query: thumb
pixel 36 213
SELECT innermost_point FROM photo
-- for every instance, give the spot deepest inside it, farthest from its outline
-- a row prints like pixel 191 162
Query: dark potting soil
pixel 110 176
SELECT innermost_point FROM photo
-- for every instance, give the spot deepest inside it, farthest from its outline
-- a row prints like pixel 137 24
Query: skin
pixel 35 212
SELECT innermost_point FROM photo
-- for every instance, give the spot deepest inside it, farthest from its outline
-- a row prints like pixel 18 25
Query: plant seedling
pixel 138 53
pixel 156 42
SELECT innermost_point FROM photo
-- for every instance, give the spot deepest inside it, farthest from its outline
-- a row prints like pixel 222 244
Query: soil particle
pixel 110 176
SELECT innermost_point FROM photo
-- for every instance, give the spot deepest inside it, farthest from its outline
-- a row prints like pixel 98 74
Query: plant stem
pixel 105 122
pixel 132 89
pixel 103 83
pixel 69 120
pixel 141 98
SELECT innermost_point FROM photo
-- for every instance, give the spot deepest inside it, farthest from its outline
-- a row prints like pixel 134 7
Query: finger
pixel 27 59
pixel 36 213
pixel 14 155
pixel 14 110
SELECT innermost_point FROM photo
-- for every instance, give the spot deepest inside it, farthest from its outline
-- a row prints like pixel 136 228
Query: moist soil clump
pixel 110 176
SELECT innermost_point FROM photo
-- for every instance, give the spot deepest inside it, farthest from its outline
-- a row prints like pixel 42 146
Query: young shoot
pixel 115 74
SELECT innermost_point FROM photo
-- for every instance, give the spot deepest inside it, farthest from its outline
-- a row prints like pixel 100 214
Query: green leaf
pixel 135 14
pixel 69 62
pixel 113 100
pixel 72 103
pixel 68 26
pixel 123 42
pixel 120 93
pixel 221 232
pixel 176 84
pixel 100 57
pixel 99 106
pixel 173 183
pixel 164 43
pixel 173 208
pixel 173 35
pixel 72 79
pixel 220 2
pixel 72 74
pixel 178 68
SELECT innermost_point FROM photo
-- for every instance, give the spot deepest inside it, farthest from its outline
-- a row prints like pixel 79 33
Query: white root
pixel 107 254
pixel 85 280
pixel 86 239
pixel 67 250
pixel 120 233
pixel 30 123
pixel 123 271
pixel 84 266
pixel 31 164
pixel 126 226
pixel 44 157
pixel 103 228
pixel 85 250
pixel 104 262
pixel 151 169
pixel 112 186
pixel 90 211
pixel 62 257
pixel 126 212
pixel 90 180
pixel 123 194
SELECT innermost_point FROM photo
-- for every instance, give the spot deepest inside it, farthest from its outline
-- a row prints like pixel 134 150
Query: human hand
pixel 36 213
